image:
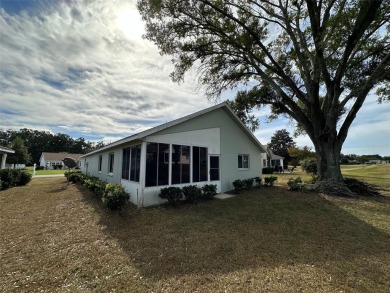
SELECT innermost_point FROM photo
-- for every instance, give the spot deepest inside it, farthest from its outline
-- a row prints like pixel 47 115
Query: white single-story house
pixel 49 160
pixel 211 146
pixel 4 151
pixel 271 160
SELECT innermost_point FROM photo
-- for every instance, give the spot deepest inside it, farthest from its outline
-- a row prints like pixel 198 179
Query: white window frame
pixel 242 159
pixel 100 163
pixel 111 158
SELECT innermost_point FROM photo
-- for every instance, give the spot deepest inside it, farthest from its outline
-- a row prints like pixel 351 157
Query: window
pixel 180 164
pixel 243 161
pixel 100 163
pixel 214 168
pixel 156 165
pixel 264 163
pixel 131 163
pixel 199 168
pixel 135 163
pixel 111 163
pixel 126 163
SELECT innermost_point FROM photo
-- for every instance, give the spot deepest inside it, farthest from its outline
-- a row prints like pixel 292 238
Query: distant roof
pixel 60 156
pixel 6 150
pixel 143 134
pixel 272 155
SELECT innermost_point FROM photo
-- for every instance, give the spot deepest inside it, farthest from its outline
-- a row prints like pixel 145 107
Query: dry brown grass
pixel 58 238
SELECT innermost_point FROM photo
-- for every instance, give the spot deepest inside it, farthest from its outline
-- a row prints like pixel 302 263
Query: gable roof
pixel 271 154
pixel 6 150
pixel 60 156
pixel 154 130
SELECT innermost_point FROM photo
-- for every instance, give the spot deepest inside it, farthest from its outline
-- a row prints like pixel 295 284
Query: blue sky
pixel 82 68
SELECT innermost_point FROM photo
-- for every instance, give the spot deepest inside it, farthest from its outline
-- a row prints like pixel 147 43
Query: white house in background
pixel 270 159
pixel 49 160
pixel 211 146
pixel 4 151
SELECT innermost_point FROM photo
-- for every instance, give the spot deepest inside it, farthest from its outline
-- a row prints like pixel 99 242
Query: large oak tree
pixel 315 61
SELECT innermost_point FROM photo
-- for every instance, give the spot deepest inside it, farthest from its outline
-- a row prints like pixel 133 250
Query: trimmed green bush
pixel 7 178
pixel 295 184
pixel 172 194
pixel 209 191
pixel 248 183
pixel 258 181
pixel 24 178
pixel 115 196
pixel 13 177
pixel 238 185
pixel 269 181
pixel 309 166
pixel 95 185
pixel 192 193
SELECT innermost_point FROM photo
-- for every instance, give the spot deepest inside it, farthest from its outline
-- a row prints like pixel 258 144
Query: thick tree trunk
pixel 330 179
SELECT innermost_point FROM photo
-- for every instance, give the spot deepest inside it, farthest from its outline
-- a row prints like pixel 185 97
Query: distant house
pixel 271 160
pixel 211 146
pixel 54 160
pixel 4 151
pixel 377 162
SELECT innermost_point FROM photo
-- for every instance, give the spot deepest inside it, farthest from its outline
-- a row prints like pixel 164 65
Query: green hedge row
pixel 190 193
pixel 14 177
pixel 113 196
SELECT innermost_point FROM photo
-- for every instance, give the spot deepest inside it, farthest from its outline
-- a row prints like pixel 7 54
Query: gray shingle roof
pixel 60 156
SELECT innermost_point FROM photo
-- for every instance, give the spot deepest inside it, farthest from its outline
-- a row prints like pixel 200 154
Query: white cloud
pixel 85 65
pixel 81 67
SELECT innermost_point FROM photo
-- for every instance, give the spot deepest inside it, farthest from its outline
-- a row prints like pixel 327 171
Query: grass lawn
pixel 57 237
pixel 46 172
pixel 378 175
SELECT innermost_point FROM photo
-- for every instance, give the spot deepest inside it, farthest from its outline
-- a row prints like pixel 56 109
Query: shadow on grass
pixel 264 228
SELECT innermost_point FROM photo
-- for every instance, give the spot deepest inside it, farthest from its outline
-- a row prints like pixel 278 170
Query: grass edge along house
pixel 211 146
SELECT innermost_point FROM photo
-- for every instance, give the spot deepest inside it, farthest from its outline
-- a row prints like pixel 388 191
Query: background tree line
pixel 29 144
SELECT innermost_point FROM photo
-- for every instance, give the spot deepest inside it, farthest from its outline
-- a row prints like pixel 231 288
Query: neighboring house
pixel 271 160
pixel 3 155
pixel 377 162
pixel 211 146
pixel 50 160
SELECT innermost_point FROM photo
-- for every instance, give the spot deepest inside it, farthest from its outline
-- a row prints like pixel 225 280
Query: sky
pixel 82 68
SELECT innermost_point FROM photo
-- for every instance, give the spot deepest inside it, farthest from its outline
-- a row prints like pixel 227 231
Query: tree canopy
pixel 280 143
pixel 36 142
pixel 314 61
pixel 21 155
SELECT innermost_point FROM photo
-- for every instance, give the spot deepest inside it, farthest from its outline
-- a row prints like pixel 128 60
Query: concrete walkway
pixel 48 176
pixel 224 195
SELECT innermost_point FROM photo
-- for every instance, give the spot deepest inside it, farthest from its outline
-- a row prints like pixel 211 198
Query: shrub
pixel 269 181
pixel 192 193
pixel 95 185
pixel 309 166
pixel 115 196
pixel 75 176
pixel 172 194
pixel 248 183
pixel 14 177
pixel 209 191
pixel 39 168
pixel 7 178
pixel 268 170
pixel 24 178
pixel 258 181
pixel 238 185
pixel 295 184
